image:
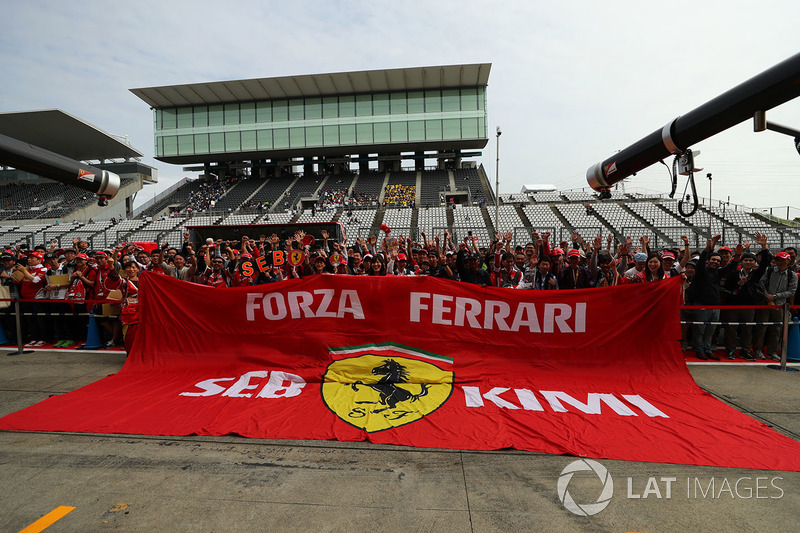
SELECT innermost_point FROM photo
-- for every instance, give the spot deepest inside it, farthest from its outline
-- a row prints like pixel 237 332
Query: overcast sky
pixel 571 82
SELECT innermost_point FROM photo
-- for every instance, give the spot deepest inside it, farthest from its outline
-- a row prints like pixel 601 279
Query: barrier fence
pixel 90 344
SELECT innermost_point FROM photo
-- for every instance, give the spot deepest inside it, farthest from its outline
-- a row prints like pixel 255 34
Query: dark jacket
pixel 750 293
pixel 706 287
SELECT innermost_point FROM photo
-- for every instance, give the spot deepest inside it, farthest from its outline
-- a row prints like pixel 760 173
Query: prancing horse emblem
pixel 390 394
pixel 396 386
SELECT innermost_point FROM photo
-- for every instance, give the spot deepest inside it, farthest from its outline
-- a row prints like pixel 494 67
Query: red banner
pixel 421 362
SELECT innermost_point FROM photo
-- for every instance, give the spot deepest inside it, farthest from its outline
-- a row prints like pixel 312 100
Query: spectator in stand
pixel 469 267
pixel 687 315
pixel 399 266
pixel 107 280
pixel 179 268
pixel 7 272
pixel 542 278
pixel 654 270
pixel 574 276
pixel 778 284
pixel 743 288
pixel 507 275
pixel 33 279
pixel 707 291
pixel 215 274
pixel 378 267
pixel 81 288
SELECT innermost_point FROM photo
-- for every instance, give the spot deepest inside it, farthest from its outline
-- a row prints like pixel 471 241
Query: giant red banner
pixel 421 362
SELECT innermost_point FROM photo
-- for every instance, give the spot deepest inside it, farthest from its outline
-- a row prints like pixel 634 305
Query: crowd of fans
pixel 399 195
pixel 745 276
pixel 209 192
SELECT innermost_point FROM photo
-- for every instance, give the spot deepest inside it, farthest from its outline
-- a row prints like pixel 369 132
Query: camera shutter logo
pixel 585 509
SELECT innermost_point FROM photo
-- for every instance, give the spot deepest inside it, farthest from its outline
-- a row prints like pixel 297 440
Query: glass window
pixel 433 101
pixel 216 142
pixel 263 111
pixel 452 128
pixel 249 140
pixel 330 107
pixel 215 116
pixel 280 111
pixel 264 138
pixel 363 105
pixel 313 136
pixel 168 119
pixel 185 117
pixel 451 100
pixel 296 110
pixel 159 146
pixel 347 106
pixel 297 137
pixel 232 114
pixel 469 128
pixel 416 102
pixel 433 130
pixel 313 108
pixel 201 116
pixel 380 104
pixel 171 145
pixel 469 99
pixel 330 135
pixel 281 137
pixel 248 110
pixel 185 144
pixel 201 143
pixel 233 141
pixel 482 127
pixel 416 130
pixel 482 98
pixel 382 132
pixel 398 103
pixel 399 131
pixel 347 134
pixel 364 133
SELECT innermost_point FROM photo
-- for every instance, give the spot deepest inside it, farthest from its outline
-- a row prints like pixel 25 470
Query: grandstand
pixel 395 147
pixel 631 215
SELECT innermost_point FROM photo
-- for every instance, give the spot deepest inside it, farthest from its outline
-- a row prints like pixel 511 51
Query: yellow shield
pixel 377 392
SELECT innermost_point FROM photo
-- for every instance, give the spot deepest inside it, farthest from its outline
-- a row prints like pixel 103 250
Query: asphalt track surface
pixel 232 484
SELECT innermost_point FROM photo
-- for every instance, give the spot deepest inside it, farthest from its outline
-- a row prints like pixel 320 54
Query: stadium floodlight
pixel 769 89
pixel 24 156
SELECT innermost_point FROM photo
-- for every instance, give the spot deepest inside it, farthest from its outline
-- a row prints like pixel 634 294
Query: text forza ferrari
pixel 424 307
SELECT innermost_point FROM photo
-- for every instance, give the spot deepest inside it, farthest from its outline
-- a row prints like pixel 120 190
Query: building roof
pixel 368 81
pixel 62 133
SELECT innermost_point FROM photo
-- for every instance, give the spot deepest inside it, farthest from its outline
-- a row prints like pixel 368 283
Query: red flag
pixel 422 362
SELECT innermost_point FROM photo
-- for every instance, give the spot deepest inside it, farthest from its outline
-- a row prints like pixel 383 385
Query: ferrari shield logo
pixel 381 386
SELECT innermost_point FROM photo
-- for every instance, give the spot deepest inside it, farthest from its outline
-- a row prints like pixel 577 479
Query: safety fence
pixel 80 308
pixel 784 323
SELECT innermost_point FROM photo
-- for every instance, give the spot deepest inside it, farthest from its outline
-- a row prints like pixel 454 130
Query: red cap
pixel 82 256
pixel 574 253
pixel 668 255
pixel 100 254
pixel 783 255
pixel 246 255
pixel 37 255
pixel 726 248
pixel 402 257
pixel 558 251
